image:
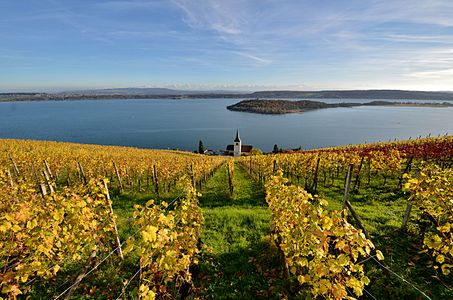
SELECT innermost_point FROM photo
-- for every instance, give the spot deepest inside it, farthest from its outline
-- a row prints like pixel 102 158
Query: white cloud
pixel 258 60
pixel 414 38
pixel 434 12
pixel 435 74
pixel 224 29
pixel 220 16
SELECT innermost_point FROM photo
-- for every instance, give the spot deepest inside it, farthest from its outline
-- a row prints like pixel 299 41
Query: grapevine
pixel 322 250
pixel 432 193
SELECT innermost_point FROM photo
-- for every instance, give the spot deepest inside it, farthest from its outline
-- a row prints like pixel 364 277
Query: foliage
pixel 72 164
pixel 41 236
pixel 256 151
pixel 376 188
pixel 168 244
pixel 321 248
pixel 200 147
pixel 38 234
pixel 320 245
pixel 432 194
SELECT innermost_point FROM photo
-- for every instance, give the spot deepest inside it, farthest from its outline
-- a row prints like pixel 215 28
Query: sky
pixel 55 45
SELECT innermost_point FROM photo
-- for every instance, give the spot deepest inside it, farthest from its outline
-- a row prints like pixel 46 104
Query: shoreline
pixel 281 107
pixel 126 93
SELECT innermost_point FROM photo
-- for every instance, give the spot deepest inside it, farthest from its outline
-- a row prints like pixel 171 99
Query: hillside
pixel 357 94
pixel 77 221
pixel 163 93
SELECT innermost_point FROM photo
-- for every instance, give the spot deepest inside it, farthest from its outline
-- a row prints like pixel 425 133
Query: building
pixel 237 149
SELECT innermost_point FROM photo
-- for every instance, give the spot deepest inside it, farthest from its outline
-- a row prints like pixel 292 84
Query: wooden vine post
pixel 347 204
pixel 407 214
pixel 347 187
pixel 230 179
pixel 357 177
pixel 82 172
pixel 406 170
pixel 48 181
pixel 118 177
pixel 43 189
pixel 115 228
pixel 48 170
pixel 16 169
pixel 90 262
pixel 315 179
pixel 156 180
pixel 11 182
pixel 192 175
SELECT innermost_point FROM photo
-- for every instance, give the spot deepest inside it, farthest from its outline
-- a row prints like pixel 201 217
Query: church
pixel 238 149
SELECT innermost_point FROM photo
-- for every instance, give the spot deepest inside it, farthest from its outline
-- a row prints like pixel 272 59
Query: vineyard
pixel 340 212
pixel 102 222
pixel 58 222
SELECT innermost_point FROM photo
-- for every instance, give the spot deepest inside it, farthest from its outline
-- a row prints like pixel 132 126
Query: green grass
pixel 247 193
pixel 231 228
pixel 239 260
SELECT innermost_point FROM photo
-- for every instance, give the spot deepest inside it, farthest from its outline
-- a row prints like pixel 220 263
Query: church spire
pixel 237 139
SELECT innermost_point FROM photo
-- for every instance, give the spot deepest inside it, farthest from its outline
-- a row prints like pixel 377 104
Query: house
pixel 237 149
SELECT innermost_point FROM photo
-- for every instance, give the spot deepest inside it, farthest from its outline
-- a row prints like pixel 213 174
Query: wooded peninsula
pixel 276 107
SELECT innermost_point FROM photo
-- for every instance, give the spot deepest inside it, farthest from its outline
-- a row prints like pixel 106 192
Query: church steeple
pixel 237 139
pixel 237 145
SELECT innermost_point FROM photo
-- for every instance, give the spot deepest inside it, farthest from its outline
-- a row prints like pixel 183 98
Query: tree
pixel 276 150
pixel 256 151
pixel 200 147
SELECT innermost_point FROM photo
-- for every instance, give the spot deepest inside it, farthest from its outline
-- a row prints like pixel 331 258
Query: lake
pixel 180 124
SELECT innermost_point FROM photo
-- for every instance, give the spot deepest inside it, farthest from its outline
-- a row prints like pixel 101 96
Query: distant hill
pixel 129 91
pixel 164 93
pixel 146 91
pixel 357 94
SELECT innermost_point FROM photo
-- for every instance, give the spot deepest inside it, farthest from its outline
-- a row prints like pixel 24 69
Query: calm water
pixel 182 123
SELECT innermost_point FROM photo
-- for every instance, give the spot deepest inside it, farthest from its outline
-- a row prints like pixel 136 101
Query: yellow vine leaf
pixel 379 255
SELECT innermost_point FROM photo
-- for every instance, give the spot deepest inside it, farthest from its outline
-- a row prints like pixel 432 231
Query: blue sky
pixel 52 45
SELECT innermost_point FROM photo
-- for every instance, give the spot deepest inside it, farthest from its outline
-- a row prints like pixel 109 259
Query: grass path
pixel 239 261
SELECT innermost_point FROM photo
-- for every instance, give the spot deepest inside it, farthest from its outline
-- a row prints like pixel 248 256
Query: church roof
pixel 237 139
pixel 244 148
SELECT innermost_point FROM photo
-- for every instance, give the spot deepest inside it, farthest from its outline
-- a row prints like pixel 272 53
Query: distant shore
pixel 278 107
pixel 71 97
pixel 153 93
